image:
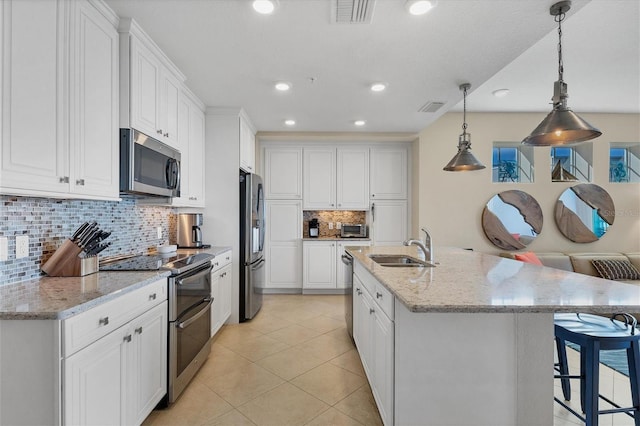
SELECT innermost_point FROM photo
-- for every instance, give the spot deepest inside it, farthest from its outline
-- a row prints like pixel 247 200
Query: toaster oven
pixel 353 230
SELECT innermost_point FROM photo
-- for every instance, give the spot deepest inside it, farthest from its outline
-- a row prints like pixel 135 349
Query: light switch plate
pixel 4 249
pixel 22 246
pixel 330 225
pixel 159 231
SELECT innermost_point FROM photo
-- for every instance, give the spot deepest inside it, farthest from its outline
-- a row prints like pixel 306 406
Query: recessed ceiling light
pixel 419 7
pixel 359 123
pixel 283 86
pixel 290 122
pixel 265 7
pixel 378 87
pixel 500 93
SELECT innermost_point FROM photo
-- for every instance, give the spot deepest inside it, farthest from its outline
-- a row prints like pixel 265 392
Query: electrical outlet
pixel 330 225
pixel 338 225
pixel 22 246
pixel 159 230
pixel 4 249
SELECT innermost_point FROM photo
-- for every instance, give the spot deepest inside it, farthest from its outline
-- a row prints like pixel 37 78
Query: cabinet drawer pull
pixel 64 179
pixel 80 182
pixel 378 295
pixel 138 330
pixel 127 338
pixel 371 310
pixel 159 131
pixel 152 296
pixel 103 321
pixel 166 135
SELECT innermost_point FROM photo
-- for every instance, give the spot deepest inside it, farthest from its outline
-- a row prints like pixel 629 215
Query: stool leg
pixel 591 379
pixel 633 358
pixel 563 367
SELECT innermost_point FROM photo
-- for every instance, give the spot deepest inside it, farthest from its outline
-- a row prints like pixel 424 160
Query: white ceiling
pixel 233 56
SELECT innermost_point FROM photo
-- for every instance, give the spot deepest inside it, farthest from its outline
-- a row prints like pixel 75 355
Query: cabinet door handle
pixel 139 330
pixel 378 295
pixel 64 179
pixel 103 321
pixel 159 131
pixel 371 311
pixel 152 296
pixel 80 182
pixel 166 135
pixel 359 291
pixel 373 212
pixel 373 195
pixel 127 338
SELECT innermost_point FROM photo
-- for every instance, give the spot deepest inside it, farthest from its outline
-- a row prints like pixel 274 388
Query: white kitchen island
pixel 470 341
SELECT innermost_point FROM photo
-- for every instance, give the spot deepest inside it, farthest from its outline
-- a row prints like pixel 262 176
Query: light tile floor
pixel 294 364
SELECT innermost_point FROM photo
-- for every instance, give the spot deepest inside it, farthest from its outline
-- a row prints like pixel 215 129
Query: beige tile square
pixel 323 324
pixel 289 363
pixel 294 334
pixel 236 333
pixel 325 347
pixel 333 417
pixel 342 335
pixel 240 386
pixel 284 405
pixel 196 405
pixel 265 323
pixel 350 361
pixel 257 347
pixel 361 406
pixel 329 383
pixel 221 360
pixel 232 418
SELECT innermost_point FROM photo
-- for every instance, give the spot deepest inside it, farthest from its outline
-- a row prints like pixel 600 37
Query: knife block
pixel 67 262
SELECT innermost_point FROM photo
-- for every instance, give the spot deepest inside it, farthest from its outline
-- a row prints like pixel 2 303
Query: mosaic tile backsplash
pixel 48 222
pixel 326 216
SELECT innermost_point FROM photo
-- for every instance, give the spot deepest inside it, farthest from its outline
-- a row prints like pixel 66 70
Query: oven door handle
pixel 191 320
pixel 197 273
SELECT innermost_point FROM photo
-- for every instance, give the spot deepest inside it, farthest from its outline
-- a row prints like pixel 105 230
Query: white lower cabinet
pixel 221 282
pixel 322 266
pixel 283 244
pixel 119 378
pixel 373 332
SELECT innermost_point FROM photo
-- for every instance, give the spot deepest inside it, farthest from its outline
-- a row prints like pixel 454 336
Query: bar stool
pixel 594 333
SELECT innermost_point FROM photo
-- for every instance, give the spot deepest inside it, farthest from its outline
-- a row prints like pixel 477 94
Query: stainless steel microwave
pixel 353 230
pixel 148 166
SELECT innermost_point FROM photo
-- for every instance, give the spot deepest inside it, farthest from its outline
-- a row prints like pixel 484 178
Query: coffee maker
pixel 189 232
pixel 314 228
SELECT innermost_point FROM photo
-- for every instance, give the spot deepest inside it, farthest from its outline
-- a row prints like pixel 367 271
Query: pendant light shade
pixel 464 160
pixel 562 126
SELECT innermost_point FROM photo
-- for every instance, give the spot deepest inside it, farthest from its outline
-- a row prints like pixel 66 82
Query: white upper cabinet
pixel 150 86
pixel 352 179
pixel 336 178
pixel 70 91
pixel 247 145
pixel 282 173
pixel 319 178
pixel 389 173
pixel 389 222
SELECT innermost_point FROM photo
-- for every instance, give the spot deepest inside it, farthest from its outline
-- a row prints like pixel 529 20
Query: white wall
pixel 451 203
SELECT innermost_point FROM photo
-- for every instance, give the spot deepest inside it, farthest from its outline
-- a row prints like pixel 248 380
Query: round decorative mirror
pixel 511 220
pixel 584 213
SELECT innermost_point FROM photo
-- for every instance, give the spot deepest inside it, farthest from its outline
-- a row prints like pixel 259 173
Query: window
pixel 624 162
pixel 572 163
pixel 512 162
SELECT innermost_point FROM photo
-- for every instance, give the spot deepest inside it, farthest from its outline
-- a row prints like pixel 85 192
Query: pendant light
pixel 562 126
pixel 464 159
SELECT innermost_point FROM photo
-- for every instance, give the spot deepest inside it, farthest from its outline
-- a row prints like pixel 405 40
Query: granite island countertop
pixel 58 298
pixel 467 281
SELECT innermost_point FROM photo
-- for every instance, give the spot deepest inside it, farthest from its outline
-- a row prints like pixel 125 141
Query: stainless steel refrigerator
pixel 252 234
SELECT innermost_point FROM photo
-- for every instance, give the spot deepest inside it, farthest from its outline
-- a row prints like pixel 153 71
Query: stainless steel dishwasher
pixel 348 299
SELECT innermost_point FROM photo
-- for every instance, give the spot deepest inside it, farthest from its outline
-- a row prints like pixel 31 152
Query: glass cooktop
pixel 153 262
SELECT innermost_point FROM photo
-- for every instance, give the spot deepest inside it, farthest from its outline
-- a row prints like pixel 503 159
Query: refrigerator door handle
pixel 257 265
pixel 261 213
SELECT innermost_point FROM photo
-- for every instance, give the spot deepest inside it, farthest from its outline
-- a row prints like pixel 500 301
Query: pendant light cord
pixel 464 111
pixel 559 18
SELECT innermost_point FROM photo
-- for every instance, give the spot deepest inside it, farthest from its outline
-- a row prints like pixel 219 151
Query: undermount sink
pixel 399 260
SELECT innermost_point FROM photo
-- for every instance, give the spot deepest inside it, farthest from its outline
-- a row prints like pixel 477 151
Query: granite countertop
pixel 57 298
pixel 467 281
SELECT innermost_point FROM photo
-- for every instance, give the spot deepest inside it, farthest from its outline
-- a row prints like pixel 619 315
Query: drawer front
pixel 89 326
pixel 221 260
pixel 379 293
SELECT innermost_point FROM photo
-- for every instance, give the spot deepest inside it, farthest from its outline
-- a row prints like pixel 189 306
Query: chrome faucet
pixel 428 241
pixel 428 251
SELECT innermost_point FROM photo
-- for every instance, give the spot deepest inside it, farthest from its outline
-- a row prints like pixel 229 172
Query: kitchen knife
pixel 79 231
pixel 86 232
pixel 97 249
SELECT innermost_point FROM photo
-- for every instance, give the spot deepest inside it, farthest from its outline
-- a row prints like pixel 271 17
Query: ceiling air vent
pixel 352 11
pixel 431 107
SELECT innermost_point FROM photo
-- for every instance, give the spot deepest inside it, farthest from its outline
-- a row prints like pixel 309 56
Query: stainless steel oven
pixel 189 326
